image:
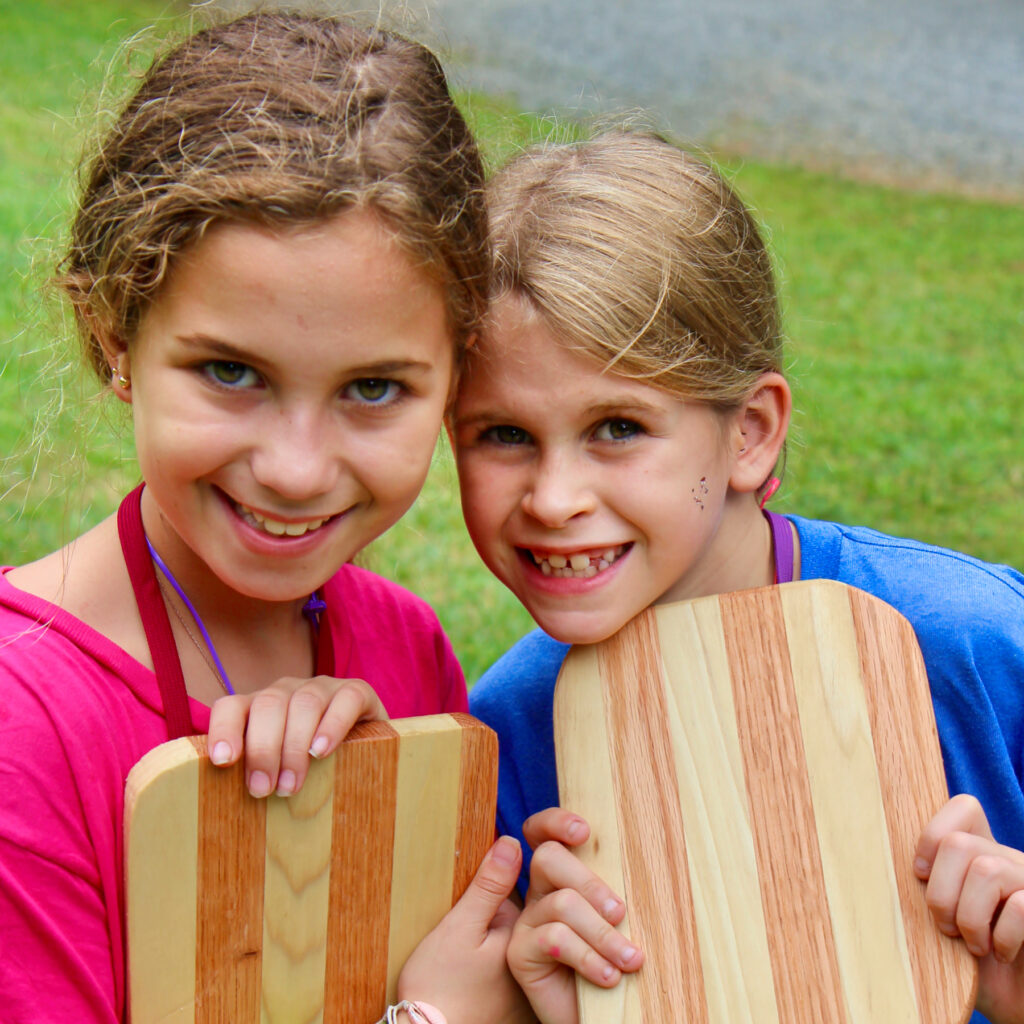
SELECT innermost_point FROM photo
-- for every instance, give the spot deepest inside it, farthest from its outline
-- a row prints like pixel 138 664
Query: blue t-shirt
pixel 969 619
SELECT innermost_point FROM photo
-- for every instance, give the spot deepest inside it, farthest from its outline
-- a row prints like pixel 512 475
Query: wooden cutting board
pixel 303 908
pixel 756 769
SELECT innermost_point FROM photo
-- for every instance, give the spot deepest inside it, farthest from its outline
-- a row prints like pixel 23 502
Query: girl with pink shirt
pixel 278 260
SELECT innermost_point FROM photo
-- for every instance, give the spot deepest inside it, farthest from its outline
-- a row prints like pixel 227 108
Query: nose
pixel 293 455
pixel 559 490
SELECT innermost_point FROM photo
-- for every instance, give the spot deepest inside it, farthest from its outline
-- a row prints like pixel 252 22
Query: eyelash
pixel 211 369
pixel 393 390
pixel 634 430
pixel 522 437
pixel 493 435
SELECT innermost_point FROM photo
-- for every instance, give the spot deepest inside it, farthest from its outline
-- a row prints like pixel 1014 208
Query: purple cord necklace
pixel 311 609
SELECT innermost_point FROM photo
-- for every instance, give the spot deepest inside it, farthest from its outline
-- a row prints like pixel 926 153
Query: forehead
pixel 521 363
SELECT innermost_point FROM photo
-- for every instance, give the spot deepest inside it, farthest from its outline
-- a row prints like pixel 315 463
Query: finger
pixel 947 877
pixel 306 708
pixel 530 958
pixel 225 739
pixel 988 882
pixel 555 824
pixel 963 813
pixel 264 737
pixel 489 890
pixel 355 701
pixel 554 868
pixel 599 945
pixel 1008 935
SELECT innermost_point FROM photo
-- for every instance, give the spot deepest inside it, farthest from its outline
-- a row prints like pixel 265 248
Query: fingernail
pixel 259 784
pixel 506 850
pixel 319 746
pixel 920 866
pixel 629 954
pixel 221 752
pixel 976 950
pixel 575 830
pixel 607 973
pixel 286 783
pixel 610 906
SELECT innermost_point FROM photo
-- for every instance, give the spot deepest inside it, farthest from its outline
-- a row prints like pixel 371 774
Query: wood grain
pixel 300 909
pixel 792 730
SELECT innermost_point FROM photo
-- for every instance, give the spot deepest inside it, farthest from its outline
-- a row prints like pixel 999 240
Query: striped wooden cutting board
pixel 756 768
pixel 305 908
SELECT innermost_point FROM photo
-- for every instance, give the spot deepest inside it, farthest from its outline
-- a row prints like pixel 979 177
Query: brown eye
pixel 617 430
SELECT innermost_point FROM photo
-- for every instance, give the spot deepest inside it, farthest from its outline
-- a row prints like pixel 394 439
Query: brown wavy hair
pixel 276 119
pixel 641 255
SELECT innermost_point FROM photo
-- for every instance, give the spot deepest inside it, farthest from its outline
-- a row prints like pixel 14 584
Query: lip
pixel 268 543
pixel 570 584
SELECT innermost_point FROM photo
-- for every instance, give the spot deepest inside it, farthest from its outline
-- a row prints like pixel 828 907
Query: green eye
pixel 231 375
pixel 373 390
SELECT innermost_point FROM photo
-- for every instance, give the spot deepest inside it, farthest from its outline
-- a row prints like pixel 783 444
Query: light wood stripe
pixel 671 985
pixel 229 929
pixel 913 786
pixel 423 868
pixel 162 927
pixel 579 712
pixel 360 882
pixel 478 789
pixel 789 863
pixel 847 799
pixel 736 963
pixel 296 898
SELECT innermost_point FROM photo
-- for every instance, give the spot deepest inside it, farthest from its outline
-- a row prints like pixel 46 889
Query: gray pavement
pixel 926 92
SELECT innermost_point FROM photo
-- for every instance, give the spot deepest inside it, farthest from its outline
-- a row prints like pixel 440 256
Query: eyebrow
pixel 234 354
pixel 602 410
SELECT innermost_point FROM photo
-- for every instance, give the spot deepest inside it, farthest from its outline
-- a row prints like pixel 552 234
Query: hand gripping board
pixel 305 908
pixel 756 768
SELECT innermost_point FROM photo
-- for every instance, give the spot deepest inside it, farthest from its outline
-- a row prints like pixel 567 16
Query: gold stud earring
pixel 124 382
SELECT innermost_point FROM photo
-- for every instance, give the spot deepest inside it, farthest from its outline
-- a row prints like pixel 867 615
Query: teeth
pixel 579 565
pixel 274 526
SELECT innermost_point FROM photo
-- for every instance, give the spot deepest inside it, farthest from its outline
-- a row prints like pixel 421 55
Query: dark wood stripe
pixel 360 887
pixel 478 794
pixel 910 773
pixel 229 897
pixel 792 882
pixel 658 896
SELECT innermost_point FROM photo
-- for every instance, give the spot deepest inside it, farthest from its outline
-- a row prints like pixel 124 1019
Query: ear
pixel 115 352
pixel 758 432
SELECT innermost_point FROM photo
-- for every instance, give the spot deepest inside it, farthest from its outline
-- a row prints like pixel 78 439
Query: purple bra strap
pixel 782 545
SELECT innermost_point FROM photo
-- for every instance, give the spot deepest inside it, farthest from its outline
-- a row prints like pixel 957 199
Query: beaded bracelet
pixel 419 1013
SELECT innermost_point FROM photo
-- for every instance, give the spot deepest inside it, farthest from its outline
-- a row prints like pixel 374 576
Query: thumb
pixel 491 885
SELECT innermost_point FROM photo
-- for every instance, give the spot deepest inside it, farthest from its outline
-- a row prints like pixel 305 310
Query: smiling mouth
pixel 581 565
pixel 275 527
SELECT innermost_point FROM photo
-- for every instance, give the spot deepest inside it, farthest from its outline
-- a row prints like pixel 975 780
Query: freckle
pixel 301 321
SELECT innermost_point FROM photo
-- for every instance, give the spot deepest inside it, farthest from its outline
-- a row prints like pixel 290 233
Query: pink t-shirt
pixel 76 713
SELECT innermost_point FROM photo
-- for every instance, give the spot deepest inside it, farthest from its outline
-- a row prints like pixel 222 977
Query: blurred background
pixel 882 146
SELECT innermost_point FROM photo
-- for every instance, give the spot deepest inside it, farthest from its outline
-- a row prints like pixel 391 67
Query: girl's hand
pixel 283 724
pixel 567 923
pixel 460 966
pixel 976 891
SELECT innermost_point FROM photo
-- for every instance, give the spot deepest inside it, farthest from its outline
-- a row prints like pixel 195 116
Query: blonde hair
pixel 279 119
pixel 642 256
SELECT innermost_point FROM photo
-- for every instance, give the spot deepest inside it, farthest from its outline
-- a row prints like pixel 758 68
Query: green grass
pixel 905 313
